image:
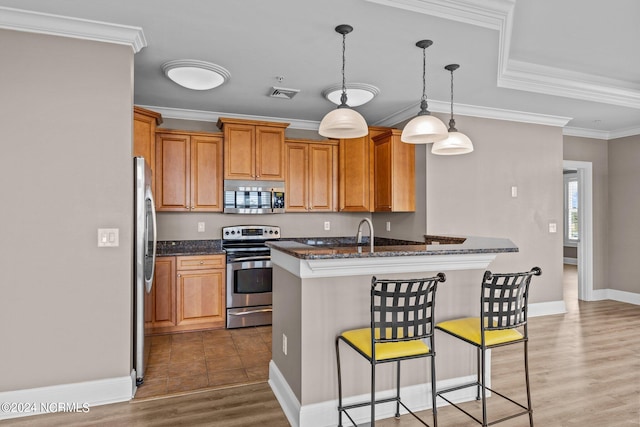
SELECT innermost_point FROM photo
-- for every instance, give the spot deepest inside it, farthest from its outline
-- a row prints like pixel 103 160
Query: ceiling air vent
pixel 283 92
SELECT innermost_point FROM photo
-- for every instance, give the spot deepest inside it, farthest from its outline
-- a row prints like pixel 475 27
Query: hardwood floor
pixel 585 371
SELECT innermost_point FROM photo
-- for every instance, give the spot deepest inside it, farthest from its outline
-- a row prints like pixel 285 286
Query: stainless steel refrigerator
pixel 144 247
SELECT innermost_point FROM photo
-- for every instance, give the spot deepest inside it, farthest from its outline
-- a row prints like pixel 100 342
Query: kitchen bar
pixel 321 287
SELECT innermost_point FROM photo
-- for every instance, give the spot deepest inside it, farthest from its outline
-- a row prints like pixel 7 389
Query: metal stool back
pixel 503 302
pixel 402 311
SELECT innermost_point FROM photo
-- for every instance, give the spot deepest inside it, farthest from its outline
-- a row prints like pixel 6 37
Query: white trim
pixel 342 267
pixel 212 116
pixel 483 13
pixel 546 308
pixel 585 245
pixel 476 111
pixel 64 26
pixel 93 393
pixel 616 295
pixel 570 261
pixel 324 414
pixel 623 133
pixel 586 133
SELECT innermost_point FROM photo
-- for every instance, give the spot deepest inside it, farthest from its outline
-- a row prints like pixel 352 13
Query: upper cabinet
pixel 144 133
pixel 188 171
pixel 394 173
pixel 253 150
pixel 356 172
pixel 311 175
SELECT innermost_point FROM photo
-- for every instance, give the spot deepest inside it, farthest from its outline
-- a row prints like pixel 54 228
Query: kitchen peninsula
pixel 321 287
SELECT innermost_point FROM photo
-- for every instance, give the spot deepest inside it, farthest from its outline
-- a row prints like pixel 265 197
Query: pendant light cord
pixel 343 97
pixel 452 122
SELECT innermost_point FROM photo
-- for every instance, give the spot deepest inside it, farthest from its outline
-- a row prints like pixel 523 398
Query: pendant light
pixel 424 128
pixel 456 142
pixel 343 122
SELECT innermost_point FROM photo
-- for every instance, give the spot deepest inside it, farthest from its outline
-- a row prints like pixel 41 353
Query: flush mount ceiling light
pixel 194 74
pixel 343 122
pixel 456 142
pixel 424 128
pixel 357 93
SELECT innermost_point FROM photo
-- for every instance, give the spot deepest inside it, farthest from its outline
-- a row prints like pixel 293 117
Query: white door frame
pixel 585 224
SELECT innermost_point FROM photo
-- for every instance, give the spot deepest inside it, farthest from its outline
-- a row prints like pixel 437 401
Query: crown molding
pixel 586 133
pixel 212 116
pixel 570 84
pixel 63 26
pixel 476 111
pixel 484 13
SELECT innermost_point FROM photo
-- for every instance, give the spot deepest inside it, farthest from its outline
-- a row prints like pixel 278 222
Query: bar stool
pixel 401 318
pixel 502 321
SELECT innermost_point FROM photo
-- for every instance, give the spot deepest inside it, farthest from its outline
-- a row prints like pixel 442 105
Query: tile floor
pixel 190 361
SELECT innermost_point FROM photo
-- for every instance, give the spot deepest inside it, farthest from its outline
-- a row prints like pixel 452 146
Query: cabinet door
pixel 239 151
pixel 355 174
pixel 296 185
pixel 382 175
pixel 269 153
pixel 321 177
pixel 200 297
pixel 173 191
pixel 144 128
pixel 206 173
pixel 163 313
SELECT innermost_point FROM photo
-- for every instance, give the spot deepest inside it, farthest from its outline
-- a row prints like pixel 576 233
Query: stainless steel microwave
pixel 253 197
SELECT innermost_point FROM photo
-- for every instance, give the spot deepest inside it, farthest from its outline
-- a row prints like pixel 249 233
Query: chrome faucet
pixel 359 234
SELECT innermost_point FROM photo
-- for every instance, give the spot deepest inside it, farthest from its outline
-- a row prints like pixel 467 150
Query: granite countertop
pixel 345 247
pixel 189 247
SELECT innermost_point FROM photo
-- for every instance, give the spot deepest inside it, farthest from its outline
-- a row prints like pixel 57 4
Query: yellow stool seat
pixel 469 329
pixel 361 339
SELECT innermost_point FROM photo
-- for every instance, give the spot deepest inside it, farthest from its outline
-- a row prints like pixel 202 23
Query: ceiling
pixel 566 63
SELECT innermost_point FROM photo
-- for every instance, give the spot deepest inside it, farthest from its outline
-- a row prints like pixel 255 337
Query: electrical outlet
pixel 514 191
pixel 284 344
pixel 388 225
pixel 201 227
pixel 327 225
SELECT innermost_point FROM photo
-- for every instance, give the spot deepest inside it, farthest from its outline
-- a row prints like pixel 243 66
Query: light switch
pixel 553 227
pixel 108 237
pixel 201 227
pixel 514 191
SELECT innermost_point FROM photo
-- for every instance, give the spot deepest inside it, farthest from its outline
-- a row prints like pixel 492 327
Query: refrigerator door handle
pixel 148 282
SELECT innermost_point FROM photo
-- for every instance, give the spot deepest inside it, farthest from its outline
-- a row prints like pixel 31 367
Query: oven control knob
pixel 270 231
pixel 226 233
pixel 276 231
pixel 233 232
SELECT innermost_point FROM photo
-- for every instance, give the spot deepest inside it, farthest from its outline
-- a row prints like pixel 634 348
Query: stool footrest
pixel 477 384
pixel 387 400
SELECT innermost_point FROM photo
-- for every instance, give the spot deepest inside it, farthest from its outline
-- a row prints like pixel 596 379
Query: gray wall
pixel 624 214
pixel 596 152
pixel 471 195
pixel 66 170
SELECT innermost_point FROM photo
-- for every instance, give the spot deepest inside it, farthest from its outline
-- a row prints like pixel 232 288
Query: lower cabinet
pixel 188 294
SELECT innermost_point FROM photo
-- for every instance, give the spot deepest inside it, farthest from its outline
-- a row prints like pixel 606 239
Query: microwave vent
pixel 283 92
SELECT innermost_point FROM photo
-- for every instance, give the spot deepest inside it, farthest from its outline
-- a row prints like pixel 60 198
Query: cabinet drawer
pixel 200 262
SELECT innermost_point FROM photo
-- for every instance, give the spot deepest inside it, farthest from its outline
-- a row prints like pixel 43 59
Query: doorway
pixel 584 172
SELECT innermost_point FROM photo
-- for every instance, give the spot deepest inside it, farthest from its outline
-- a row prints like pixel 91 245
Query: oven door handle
pixel 251 258
pixel 245 313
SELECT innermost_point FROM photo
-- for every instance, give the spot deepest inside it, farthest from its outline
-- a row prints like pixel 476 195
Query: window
pixel 571 213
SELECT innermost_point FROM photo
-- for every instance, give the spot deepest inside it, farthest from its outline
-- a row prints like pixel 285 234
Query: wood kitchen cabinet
pixel 311 175
pixel 394 173
pixel 160 303
pixel 144 136
pixel 356 182
pixel 188 294
pixel 253 150
pixel 200 292
pixel 188 171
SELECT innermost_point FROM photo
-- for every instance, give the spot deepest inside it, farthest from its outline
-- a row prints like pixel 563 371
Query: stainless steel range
pixel 249 274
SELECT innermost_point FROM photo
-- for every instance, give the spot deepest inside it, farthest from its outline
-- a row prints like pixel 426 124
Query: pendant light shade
pixel 424 128
pixel 343 122
pixel 456 142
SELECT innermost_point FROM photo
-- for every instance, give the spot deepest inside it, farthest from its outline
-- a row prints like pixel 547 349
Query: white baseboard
pixel 616 295
pixel 571 261
pixel 325 414
pixel 546 308
pixel 76 397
